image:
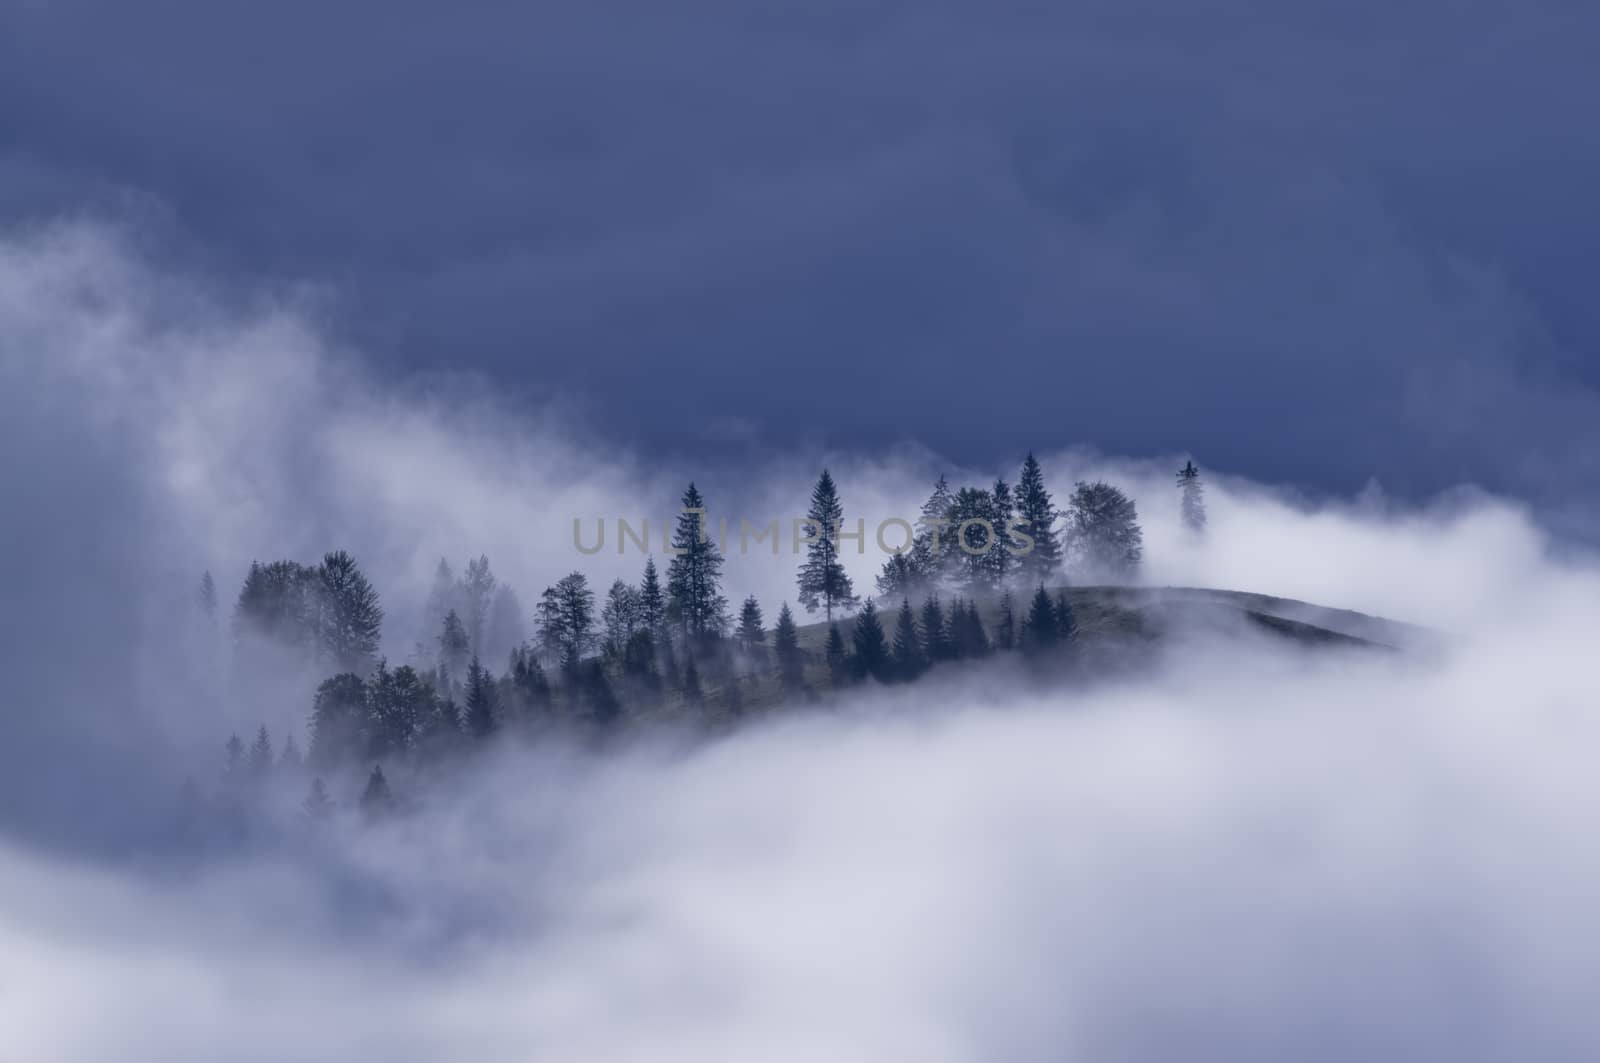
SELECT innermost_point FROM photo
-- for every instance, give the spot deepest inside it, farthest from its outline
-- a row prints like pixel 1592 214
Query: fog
pixel 1244 851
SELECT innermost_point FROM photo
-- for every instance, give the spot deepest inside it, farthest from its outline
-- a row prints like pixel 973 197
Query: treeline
pixel 668 647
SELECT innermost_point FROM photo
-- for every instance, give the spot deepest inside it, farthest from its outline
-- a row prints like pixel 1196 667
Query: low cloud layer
pixel 1242 853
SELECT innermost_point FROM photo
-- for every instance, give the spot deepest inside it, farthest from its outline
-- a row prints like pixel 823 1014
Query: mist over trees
pixel 661 650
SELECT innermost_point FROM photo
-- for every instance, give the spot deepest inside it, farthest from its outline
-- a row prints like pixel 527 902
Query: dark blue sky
pixel 1309 242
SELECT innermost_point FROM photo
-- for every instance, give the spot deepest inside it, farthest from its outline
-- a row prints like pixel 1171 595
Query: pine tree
pixel 652 604
pixel 970 638
pixel 600 701
pixel 376 798
pixel 278 602
pixel 974 536
pixel 530 688
pixel 871 648
pixel 621 616
pixel 1005 628
pixel 317 806
pixel 823 580
pixel 1039 631
pixel 477 591
pixel 933 549
pixel 207 596
pixel 786 647
pixel 261 754
pixel 1066 621
pixel 1194 501
pixel 751 633
pixel 1002 558
pixel 349 616
pixel 454 645
pixel 909 661
pixel 694 578
pixel 481 716
pixel 290 762
pixel 566 619
pixel 1038 512
pixel 233 764
pixel 1103 533
pixel 834 654
pixel 936 643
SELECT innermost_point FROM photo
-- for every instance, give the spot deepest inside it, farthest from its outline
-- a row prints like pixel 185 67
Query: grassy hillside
pixel 1117 627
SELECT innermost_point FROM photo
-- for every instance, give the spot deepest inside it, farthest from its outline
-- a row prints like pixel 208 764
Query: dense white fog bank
pixel 1245 852
pixel 1246 856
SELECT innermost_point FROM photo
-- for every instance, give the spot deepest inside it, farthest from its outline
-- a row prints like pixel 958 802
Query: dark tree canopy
pixel 786 648
pixel 694 577
pixel 822 579
pixel 349 615
pixel 566 619
pixel 1103 533
pixel 1035 507
pixel 909 660
pixel 871 648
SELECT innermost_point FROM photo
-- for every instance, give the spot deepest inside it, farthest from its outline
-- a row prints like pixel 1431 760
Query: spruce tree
pixel 349 616
pixel 909 661
pixel 621 616
pixel 278 602
pixel 973 535
pixel 1039 631
pixel 1066 621
pixel 566 619
pixel 599 700
pixel 823 580
pixel 1194 501
pixel 871 648
pixel 529 685
pixel 694 577
pixel 751 633
pixel 786 648
pixel 376 799
pixel 834 654
pixel 1001 558
pixel 652 603
pixel 261 754
pixel 233 764
pixel 971 639
pixel 936 643
pixel 481 716
pixel 1005 628
pixel 290 762
pixel 454 645
pixel 207 596
pixel 932 557
pixel 1038 511
pixel 477 591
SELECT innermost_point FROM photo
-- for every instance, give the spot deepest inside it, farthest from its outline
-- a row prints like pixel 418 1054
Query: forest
pixel 987 572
